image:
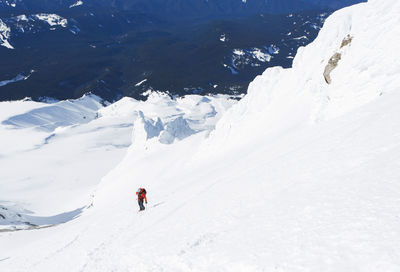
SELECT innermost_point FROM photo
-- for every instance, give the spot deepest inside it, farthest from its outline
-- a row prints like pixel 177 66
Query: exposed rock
pixel 346 41
pixel 332 63
pixel 334 60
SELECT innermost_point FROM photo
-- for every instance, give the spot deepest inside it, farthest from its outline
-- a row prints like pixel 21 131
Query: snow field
pixel 300 175
pixel 65 148
pixel 311 200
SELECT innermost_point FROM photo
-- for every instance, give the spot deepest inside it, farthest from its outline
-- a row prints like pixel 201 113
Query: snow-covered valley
pixel 301 174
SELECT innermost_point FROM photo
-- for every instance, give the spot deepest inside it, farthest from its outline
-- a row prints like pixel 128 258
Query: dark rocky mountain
pixel 333 4
pixel 65 48
pixel 180 8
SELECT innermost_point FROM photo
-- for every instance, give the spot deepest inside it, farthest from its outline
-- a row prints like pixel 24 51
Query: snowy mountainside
pixel 299 175
pixel 59 114
pixel 278 93
pixel 92 138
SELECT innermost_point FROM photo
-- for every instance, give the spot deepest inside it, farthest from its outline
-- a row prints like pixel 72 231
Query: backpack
pixel 143 191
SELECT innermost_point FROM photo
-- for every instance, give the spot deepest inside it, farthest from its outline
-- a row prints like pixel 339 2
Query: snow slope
pixel 281 99
pixel 63 149
pixel 300 175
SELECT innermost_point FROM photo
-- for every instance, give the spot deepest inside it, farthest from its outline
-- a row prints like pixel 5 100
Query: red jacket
pixel 142 196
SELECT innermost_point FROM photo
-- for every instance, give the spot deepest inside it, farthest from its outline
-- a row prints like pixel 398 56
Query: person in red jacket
pixel 141 193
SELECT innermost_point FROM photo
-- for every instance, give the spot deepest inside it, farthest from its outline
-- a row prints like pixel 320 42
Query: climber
pixel 141 193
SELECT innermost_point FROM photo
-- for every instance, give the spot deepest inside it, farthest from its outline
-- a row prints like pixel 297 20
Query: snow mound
pixel 176 129
pixel 165 119
pixel 145 129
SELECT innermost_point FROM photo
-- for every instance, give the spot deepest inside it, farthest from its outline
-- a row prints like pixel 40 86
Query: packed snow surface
pixel 299 175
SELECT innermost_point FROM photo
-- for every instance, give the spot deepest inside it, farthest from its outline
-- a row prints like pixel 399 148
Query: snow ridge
pixel 60 114
pixel 164 120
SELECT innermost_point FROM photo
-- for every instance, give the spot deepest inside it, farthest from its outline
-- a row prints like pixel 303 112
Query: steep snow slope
pixel 61 150
pixel 300 175
pixel 282 99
